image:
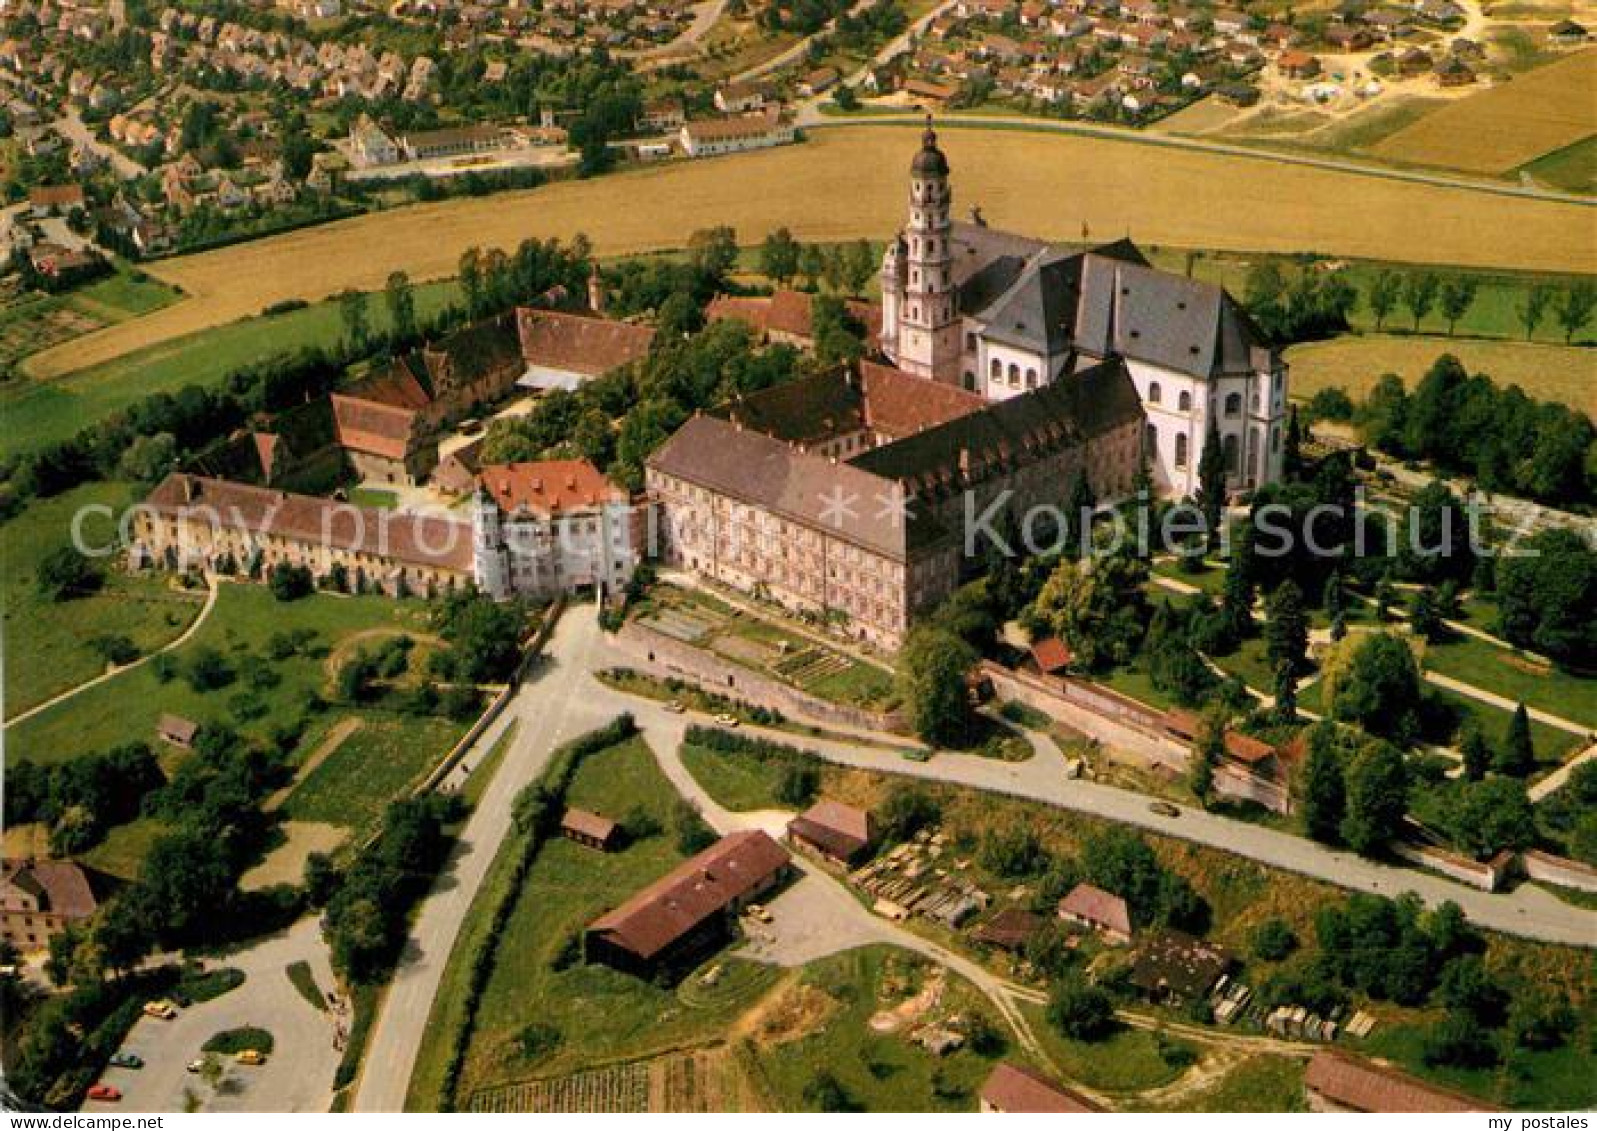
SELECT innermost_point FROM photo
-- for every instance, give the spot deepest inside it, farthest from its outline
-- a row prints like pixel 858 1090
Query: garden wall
pixel 663 655
pixel 1552 869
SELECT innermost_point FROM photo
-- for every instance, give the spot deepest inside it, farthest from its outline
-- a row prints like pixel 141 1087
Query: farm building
pixel 177 730
pixel 1174 967
pixel 41 898
pixel 589 829
pixel 834 831
pixel 688 912
pixel 1099 911
pixel 1011 929
pixel 1336 1082
pixel 563 351
pixel 1011 1089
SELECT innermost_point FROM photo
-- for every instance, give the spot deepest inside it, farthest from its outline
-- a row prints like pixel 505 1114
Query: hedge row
pixel 537 813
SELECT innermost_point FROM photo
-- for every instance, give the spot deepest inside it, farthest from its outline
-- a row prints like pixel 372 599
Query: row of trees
pixel 1499 436
pixel 845 268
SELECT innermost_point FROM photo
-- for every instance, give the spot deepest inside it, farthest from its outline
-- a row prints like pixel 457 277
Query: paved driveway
pixel 298 1076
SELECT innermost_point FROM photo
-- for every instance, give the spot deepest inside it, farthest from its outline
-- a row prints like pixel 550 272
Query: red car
pixel 105 1093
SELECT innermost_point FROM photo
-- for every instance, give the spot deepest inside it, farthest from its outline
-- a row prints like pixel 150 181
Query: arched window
pixel 1233 404
pixel 1181 449
pixel 1185 402
pixel 1155 393
pixel 970 343
pixel 1031 378
pixel 998 369
pixel 1014 375
pixel 1150 439
pixel 970 380
pixel 1230 447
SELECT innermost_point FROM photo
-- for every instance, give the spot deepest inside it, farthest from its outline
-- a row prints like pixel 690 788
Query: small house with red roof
pixel 1101 912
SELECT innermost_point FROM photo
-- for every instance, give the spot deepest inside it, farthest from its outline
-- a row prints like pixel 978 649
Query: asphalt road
pixel 558 703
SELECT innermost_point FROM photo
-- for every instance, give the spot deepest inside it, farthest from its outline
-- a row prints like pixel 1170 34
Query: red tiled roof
pixel 579 343
pixel 1097 907
pixel 55 196
pixel 901 404
pixel 1369 1087
pixel 368 426
pixel 549 486
pixel 1011 1088
pixel 433 541
pixel 692 892
pixel 839 829
pixel 1184 723
pixel 1052 654
pixel 588 824
pixel 1246 748
pixel 177 728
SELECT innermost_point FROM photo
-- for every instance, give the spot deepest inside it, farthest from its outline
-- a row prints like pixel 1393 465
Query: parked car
pixel 195 1066
pixel 105 1093
pixel 917 754
pixel 126 1060
pixel 250 1056
pixel 675 707
pixel 726 720
pixel 162 1009
pixel 1163 808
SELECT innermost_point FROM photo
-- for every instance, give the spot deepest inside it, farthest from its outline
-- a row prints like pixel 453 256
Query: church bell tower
pixel 928 324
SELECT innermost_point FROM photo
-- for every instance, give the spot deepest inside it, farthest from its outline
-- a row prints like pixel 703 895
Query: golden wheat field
pixel 1566 374
pixel 1508 125
pixel 850 182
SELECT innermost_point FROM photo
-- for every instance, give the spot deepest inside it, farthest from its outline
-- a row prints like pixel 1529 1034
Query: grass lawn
pixel 374 497
pixel 1259 1083
pixel 877 1071
pixel 383 759
pixel 739 782
pixel 48 644
pixel 1552 744
pixel 39 412
pixel 122 852
pixel 1210 580
pixel 124 294
pixel 1556 1080
pixel 1128 1060
pixel 1251 662
pixel 602 1015
pixel 1502 672
pixel 126 707
pixel 1573 168
pixel 1135 682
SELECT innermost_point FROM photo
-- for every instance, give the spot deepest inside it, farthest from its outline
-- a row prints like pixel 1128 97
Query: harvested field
pixel 1567 374
pixel 1507 125
pixel 848 182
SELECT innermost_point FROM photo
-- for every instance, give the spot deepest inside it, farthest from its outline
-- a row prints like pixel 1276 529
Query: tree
pixel 1273 940
pixel 858 265
pixel 1211 483
pixel 1483 818
pixel 1423 616
pixel 824 1091
pixel 779 256
pixel 1547 595
pixel 1236 600
pixel 1080 1012
pixel 1456 297
pixel 1517 756
pixel 469 269
pixel 1098 605
pixel 352 312
pixel 1467 987
pixel 1534 308
pixel 1324 786
pixel 1382 295
pixel 1286 628
pixel 291 582
pixel 1377 797
pixel 906 810
pixel 1292 463
pixel 1574 309
pixel 1206 753
pixel 1286 694
pixel 933 665
pixel 400 298
pixel 1475 751
pixel 64 573
pixel 1378 687
pixel 149 458
pixel 713 252
pixel 811 264
pixel 1419 295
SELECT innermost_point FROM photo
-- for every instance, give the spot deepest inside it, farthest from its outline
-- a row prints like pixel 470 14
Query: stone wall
pixel 1486 877
pixel 1556 870
pixel 664 656
pixel 1053 695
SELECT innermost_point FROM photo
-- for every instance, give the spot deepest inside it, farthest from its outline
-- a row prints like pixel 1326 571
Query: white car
pixel 726 720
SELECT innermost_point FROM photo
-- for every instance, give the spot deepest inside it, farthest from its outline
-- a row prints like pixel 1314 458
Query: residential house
pixel 1101 912
pixel 41 898
pixel 1015 1089
pixel 833 831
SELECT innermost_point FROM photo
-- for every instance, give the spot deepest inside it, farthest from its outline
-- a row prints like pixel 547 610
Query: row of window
pixel 1233 401
pixel 997 371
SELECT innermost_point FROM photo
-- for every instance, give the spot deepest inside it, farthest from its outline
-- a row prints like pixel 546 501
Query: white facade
pixel 1189 347
pixel 522 553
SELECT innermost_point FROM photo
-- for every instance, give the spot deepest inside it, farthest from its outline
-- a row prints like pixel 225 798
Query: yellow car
pixel 162 1009
pixel 251 1057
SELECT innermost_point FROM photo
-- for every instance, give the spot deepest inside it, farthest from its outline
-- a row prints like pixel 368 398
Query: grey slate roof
pixel 766 472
